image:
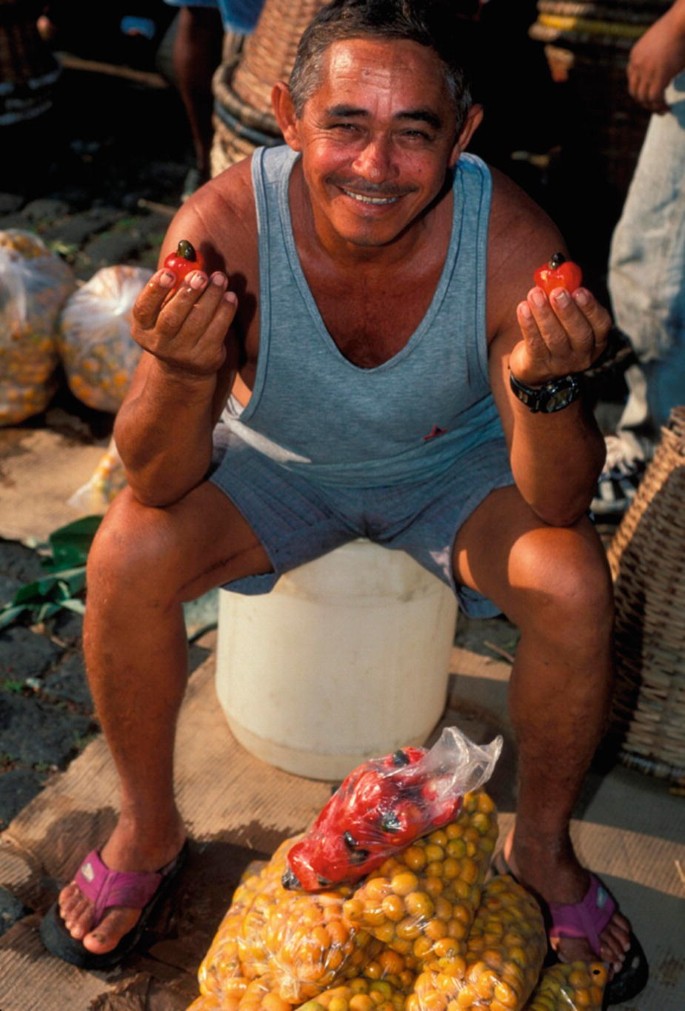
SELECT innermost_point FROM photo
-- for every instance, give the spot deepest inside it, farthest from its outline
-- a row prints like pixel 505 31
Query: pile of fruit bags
pixel 401 914
pixel 47 318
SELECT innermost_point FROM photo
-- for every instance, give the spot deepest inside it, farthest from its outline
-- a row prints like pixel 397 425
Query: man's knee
pixel 570 576
pixel 129 544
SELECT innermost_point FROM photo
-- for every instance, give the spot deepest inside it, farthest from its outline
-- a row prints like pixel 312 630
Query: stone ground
pixel 98 182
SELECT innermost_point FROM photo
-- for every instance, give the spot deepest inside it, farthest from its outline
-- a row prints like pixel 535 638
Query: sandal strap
pixel 106 888
pixel 585 919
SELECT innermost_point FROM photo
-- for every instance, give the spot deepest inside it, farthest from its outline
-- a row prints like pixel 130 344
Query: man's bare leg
pixel 143 564
pixel 554 585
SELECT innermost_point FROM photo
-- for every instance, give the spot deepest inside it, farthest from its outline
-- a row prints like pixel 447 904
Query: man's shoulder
pixel 514 210
pixel 228 196
pixel 521 237
pixel 232 187
pixel 221 216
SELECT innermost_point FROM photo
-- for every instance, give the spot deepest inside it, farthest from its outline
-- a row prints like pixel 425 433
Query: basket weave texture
pixel 647 559
pixel 243 119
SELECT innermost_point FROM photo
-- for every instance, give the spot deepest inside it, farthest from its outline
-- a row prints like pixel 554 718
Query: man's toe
pixel 106 936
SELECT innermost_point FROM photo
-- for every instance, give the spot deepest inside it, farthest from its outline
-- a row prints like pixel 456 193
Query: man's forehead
pixel 367 65
pixel 368 57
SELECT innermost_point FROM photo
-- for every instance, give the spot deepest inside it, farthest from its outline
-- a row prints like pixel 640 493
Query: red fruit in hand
pixel 183 260
pixel 558 273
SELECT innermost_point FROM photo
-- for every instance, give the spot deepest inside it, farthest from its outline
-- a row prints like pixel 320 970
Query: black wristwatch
pixel 550 397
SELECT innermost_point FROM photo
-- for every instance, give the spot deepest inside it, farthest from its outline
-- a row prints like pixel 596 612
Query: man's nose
pixel 374 162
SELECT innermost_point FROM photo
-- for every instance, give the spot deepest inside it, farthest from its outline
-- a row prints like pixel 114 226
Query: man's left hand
pixel 561 333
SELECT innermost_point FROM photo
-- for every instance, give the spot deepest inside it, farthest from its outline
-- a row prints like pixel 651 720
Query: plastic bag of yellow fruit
pixel 422 901
pixel 295 944
pixel 570 986
pixel 34 284
pixel 502 957
pixel 94 339
pixel 359 995
pixel 221 968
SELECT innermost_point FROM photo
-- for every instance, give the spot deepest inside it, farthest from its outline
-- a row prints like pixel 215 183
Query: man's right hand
pixel 185 330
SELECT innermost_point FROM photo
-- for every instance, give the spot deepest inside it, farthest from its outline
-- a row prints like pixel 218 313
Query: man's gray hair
pixel 431 23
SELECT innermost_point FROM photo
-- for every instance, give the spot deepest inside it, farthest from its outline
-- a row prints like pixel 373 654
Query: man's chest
pixel 370 331
pixel 371 318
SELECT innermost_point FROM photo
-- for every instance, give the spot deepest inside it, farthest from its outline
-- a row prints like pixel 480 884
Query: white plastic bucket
pixel 346 659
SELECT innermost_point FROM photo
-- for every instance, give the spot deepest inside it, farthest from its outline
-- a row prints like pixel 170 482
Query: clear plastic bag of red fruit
pixel 386 803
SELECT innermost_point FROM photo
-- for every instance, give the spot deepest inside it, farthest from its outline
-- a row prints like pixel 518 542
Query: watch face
pixel 563 394
pixel 552 397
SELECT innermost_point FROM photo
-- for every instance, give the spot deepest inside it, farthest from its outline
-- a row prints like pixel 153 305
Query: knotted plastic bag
pixel 94 338
pixel 385 804
pixel 34 284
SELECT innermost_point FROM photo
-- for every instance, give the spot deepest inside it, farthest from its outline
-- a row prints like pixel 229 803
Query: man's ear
pixel 474 117
pixel 284 111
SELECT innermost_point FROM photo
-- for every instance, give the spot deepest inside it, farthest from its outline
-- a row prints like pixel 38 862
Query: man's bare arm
pixel 164 427
pixel 555 457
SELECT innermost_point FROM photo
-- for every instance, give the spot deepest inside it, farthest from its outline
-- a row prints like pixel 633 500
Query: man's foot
pixel 100 917
pixel 583 921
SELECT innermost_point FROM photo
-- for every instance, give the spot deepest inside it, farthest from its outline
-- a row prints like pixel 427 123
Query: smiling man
pixel 363 357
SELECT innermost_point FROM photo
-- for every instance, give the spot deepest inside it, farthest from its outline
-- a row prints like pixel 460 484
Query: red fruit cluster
pixel 380 808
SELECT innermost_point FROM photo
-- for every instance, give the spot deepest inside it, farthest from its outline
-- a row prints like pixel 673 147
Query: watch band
pixel 549 398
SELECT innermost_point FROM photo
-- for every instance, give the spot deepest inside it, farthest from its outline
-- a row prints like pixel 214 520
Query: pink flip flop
pixel 587 919
pixel 107 888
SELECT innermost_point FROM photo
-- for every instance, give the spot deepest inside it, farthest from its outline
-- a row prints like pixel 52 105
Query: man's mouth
pixel 377 200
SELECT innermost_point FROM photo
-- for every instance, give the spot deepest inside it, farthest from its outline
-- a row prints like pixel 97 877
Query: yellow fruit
pixel 570 985
pixel 34 284
pixel 508 922
pixel 424 891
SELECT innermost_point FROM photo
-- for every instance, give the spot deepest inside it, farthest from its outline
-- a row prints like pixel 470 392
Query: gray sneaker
pixel 619 480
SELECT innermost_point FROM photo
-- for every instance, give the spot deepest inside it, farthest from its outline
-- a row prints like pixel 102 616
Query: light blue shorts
pixel 298 520
pixel 237 15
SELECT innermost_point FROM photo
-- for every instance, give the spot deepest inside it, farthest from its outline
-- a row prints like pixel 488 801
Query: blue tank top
pixel 409 418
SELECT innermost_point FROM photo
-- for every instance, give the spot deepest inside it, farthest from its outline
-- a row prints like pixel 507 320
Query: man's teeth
pixel 363 199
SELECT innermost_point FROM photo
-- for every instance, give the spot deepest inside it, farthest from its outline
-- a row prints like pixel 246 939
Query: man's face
pixel 376 138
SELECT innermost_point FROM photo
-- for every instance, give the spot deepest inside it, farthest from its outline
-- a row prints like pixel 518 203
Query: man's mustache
pixel 367 189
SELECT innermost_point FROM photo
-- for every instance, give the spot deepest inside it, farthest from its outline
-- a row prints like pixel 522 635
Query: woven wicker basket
pixel 647 559
pixel 242 85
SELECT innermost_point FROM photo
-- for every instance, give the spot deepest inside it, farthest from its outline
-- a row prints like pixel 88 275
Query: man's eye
pixel 349 127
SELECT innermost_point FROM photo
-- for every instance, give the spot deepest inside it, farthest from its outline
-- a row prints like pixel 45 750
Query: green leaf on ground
pixel 70 544
pixel 65 584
